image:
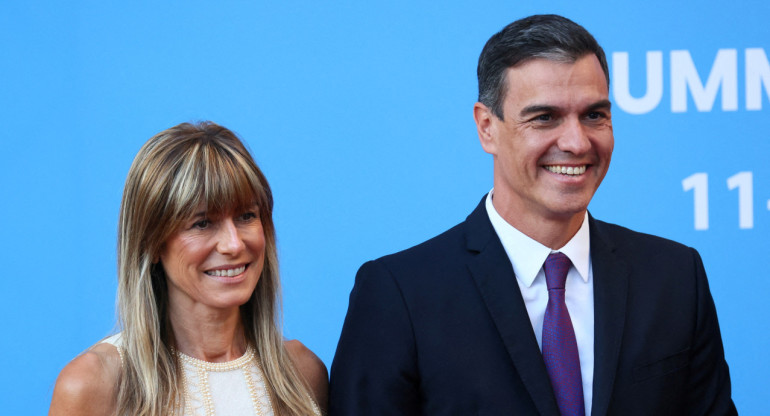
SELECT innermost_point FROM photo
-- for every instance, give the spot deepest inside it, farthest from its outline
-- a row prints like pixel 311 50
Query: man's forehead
pixel 550 79
pixel 554 63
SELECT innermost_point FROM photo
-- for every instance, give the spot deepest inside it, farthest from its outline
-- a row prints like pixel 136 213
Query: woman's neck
pixel 208 334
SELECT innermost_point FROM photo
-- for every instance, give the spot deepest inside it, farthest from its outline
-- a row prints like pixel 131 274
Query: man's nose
pixel 574 137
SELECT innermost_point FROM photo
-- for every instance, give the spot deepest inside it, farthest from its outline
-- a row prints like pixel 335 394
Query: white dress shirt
pixel 527 257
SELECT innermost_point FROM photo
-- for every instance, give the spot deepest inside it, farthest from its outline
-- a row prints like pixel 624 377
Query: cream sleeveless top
pixel 235 387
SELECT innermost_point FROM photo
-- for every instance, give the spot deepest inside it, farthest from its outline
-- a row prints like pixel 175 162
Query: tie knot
pixel 556 267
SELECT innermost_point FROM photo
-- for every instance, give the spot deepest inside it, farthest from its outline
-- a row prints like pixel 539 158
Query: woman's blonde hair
pixel 174 172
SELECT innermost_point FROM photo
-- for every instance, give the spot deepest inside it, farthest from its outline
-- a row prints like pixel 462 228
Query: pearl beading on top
pixel 247 363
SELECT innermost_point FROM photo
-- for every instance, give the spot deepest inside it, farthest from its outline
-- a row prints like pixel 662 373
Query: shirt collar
pixel 527 255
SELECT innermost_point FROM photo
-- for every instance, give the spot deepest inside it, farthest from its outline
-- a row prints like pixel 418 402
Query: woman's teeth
pixel 227 272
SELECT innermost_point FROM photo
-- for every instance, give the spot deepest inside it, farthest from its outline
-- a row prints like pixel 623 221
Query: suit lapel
pixel 493 274
pixel 611 275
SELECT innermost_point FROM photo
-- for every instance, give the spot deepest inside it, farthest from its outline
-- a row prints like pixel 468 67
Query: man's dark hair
pixel 546 36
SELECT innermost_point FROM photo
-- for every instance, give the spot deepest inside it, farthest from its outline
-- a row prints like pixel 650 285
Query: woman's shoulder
pixel 88 384
pixel 312 369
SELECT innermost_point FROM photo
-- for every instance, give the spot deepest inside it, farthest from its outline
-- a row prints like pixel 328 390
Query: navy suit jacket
pixel 442 329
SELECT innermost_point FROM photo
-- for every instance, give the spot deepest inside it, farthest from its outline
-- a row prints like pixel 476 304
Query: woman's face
pixel 214 262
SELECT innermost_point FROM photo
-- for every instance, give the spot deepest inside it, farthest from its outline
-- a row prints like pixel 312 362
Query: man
pixel 531 306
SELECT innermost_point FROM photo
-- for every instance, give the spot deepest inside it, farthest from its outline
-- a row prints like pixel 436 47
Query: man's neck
pixel 553 232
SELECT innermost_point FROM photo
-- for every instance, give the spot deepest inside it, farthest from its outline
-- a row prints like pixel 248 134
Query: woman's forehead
pixel 219 208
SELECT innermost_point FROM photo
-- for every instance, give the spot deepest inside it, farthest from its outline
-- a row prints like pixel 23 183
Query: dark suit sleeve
pixel 709 392
pixel 374 371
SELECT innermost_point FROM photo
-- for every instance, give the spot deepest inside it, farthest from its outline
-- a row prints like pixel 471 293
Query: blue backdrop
pixel 360 116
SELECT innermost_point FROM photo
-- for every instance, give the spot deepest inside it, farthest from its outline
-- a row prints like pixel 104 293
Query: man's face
pixel 554 147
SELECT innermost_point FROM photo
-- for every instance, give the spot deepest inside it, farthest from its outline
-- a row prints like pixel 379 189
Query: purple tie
pixel 560 351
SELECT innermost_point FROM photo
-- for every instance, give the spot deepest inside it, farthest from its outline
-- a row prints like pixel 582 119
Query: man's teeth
pixel 567 170
pixel 227 273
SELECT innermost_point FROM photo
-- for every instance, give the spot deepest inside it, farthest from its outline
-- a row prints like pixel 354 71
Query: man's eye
pixel 544 117
pixel 595 115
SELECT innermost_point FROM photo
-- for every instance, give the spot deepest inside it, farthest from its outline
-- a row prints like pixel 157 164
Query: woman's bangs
pixel 230 184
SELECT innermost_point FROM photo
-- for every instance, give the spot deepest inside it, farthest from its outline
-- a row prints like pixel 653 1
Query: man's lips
pixel 567 170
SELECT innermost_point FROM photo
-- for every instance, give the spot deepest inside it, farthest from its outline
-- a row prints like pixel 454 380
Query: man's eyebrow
pixel 542 108
pixel 603 104
pixel 537 108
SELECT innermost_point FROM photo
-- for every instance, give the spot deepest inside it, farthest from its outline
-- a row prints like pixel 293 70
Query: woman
pixel 197 294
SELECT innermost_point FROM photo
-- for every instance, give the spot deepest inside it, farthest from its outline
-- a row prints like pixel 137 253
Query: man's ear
pixel 485 125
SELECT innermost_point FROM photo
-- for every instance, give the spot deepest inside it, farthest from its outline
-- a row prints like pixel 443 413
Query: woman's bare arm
pixel 88 384
pixel 313 369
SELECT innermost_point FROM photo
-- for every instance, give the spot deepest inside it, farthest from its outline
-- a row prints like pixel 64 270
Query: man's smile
pixel 567 170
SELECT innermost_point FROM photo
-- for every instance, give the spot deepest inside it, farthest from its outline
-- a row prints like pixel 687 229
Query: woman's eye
pixel 248 216
pixel 202 224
